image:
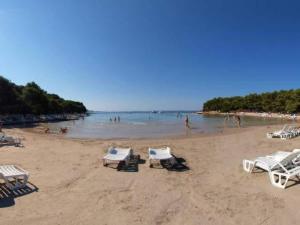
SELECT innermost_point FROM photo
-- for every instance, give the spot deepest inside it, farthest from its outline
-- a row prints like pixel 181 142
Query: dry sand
pixel 72 186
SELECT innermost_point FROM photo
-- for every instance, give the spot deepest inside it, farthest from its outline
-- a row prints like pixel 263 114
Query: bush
pixel 32 99
pixel 277 101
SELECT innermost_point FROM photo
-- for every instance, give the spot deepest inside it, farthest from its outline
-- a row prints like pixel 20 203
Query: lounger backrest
pixel 289 159
pixel 153 151
pixel 120 151
pixel 285 127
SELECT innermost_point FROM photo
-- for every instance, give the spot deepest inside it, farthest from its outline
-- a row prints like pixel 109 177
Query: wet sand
pixel 69 185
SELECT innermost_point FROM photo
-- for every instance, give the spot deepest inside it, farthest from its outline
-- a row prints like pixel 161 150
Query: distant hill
pixel 31 99
pixel 277 101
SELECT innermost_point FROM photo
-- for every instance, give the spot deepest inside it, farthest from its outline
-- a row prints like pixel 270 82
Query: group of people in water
pixel 116 119
pixel 236 119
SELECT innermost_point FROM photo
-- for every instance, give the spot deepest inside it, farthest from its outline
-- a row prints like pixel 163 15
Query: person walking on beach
pixel 115 119
pixel 119 119
pixel 187 122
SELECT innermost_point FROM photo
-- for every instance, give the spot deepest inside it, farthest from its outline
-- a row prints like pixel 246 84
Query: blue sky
pixel 144 55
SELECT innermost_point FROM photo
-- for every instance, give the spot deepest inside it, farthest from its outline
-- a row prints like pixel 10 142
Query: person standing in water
pixel 119 119
pixel 238 120
pixel 187 122
pixel 226 119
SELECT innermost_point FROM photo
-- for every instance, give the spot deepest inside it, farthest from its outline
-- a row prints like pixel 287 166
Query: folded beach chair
pixel 9 140
pixel 117 155
pixel 287 132
pixel 281 166
pixel 156 155
pixel 14 177
pixel 277 134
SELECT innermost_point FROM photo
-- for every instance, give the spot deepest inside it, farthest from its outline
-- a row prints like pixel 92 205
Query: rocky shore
pixel 256 114
pixel 19 119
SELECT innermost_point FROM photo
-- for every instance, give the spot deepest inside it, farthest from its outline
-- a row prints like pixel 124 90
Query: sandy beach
pixel 69 185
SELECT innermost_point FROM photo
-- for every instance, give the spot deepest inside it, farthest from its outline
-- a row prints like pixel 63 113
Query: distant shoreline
pixel 19 119
pixel 255 114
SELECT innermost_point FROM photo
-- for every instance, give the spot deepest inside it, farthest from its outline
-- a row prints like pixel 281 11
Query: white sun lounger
pixel 287 132
pixel 270 162
pixel 116 155
pixel 9 140
pixel 281 166
pixel 156 155
pixel 14 177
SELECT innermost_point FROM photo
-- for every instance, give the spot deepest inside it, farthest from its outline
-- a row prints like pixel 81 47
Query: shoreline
pixel 39 129
pixel 20 119
pixel 256 114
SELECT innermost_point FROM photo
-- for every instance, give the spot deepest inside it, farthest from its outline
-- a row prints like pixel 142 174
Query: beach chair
pixel 14 177
pixel 274 161
pixel 8 140
pixel 276 134
pixel 157 155
pixel 281 166
pixel 117 155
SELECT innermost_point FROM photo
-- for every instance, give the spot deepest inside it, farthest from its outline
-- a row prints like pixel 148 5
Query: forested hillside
pixel 31 99
pixel 277 101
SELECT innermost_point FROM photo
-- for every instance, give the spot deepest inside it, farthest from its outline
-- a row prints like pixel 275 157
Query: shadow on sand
pixel 133 165
pixel 179 166
pixel 7 196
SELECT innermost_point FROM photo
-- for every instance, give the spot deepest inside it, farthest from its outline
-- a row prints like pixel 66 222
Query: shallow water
pixel 149 125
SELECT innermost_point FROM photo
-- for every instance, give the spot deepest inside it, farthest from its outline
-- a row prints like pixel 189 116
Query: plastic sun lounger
pixel 9 140
pixel 279 132
pixel 287 132
pixel 281 166
pixel 156 155
pixel 14 177
pixel 269 162
pixel 116 155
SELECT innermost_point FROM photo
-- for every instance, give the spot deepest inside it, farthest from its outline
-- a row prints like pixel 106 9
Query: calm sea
pixel 149 124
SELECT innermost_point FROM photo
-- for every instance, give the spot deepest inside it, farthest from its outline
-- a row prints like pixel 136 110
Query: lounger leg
pixel 104 162
pixel 127 162
pixel 24 182
pixel 8 184
pixel 248 165
pixel 278 179
pixel 150 163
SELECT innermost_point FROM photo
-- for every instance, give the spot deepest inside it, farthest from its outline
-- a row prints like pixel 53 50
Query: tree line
pixel 31 99
pixel 278 102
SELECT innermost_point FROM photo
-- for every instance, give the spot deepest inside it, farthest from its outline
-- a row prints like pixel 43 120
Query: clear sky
pixel 151 54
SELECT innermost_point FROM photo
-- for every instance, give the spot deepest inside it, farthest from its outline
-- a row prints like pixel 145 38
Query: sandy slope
pixel 74 187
